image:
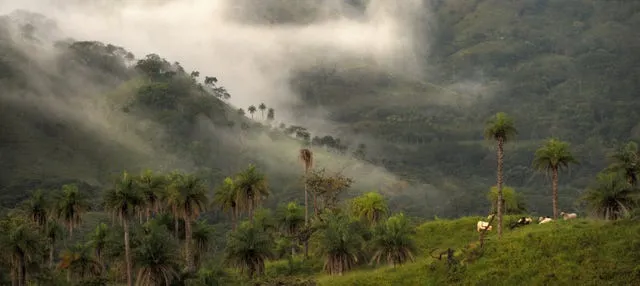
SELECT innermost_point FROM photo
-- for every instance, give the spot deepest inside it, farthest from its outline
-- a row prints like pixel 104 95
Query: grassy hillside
pixel 578 252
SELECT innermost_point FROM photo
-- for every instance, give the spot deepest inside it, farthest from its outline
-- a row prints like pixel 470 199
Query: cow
pixel 567 216
pixel 544 220
pixel 522 221
pixel 482 225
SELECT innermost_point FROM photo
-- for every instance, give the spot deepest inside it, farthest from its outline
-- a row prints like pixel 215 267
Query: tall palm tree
pixel 612 197
pixel 124 201
pixel 252 188
pixel 262 108
pixel 98 240
pixel 152 188
pixel 202 237
pixel 306 157
pixel 554 155
pixel 52 232
pixel 290 219
pixel 501 129
pixel 340 243
pixel 627 160
pixel 247 248
pixel 156 258
pixel 21 244
pixel 37 208
pixel 252 110
pixel 370 206
pixel 79 263
pixel 392 241
pixel 190 202
pixel 70 207
pixel 225 198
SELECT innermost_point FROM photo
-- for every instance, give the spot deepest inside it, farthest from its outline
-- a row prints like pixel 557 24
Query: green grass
pixel 578 252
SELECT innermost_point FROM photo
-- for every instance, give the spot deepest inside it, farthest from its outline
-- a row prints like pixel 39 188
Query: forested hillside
pixel 119 168
pixel 568 69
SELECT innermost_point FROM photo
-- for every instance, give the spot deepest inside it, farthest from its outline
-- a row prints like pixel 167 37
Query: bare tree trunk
pixel 499 179
pixel 306 214
pixel 555 192
pixel 127 254
pixel 187 245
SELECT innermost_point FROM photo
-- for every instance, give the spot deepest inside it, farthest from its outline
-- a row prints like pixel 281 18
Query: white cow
pixel 483 225
pixel 567 216
pixel 544 220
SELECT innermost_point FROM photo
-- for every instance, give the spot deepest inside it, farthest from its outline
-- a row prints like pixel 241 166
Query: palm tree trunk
pixel 306 214
pixel 127 255
pixel 23 270
pixel 51 249
pixel 176 226
pixel 499 179
pixel 187 244
pixel 555 192
pixel 234 218
pixel 315 204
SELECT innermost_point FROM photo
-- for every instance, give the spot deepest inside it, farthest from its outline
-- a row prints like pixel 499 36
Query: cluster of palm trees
pixel 262 107
pixel 615 193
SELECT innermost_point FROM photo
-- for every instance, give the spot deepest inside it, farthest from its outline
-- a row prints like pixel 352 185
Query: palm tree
pixel 202 237
pixel 21 244
pixel 79 261
pixel 225 198
pixel 98 240
pixel 370 206
pixel 37 208
pixel 392 241
pixel 124 201
pixel 306 157
pixel 551 157
pixel 262 108
pixel 271 114
pixel 627 159
pixel 501 129
pixel 190 200
pixel 252 110
pixel 152 187
pixel 70 207
pixel 612 197
pixel 252 187
pixel 156 258
pixel 340 243
pixel 52 232
pixel 247 248
pixel 241 112
pixel 290 219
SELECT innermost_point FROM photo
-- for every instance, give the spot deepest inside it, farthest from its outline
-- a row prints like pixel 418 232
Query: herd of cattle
pixel 482 225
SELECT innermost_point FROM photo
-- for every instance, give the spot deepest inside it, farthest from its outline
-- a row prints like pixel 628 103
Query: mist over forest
pixel 391 97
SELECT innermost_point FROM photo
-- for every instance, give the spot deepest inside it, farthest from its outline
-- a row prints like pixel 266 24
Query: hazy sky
pixel 253 61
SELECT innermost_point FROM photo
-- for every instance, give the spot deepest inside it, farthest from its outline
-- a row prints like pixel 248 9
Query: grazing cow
pixel 567 216
pixel 483 225
pixel 544 219
pixel 522 221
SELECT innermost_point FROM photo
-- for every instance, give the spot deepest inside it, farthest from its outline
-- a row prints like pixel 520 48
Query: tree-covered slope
pixel 566 69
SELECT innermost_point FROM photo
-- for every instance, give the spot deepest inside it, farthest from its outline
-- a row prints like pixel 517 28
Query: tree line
pixel 614 195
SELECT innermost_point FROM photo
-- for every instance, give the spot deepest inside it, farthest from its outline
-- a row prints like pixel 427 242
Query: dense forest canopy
pixel 120 166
